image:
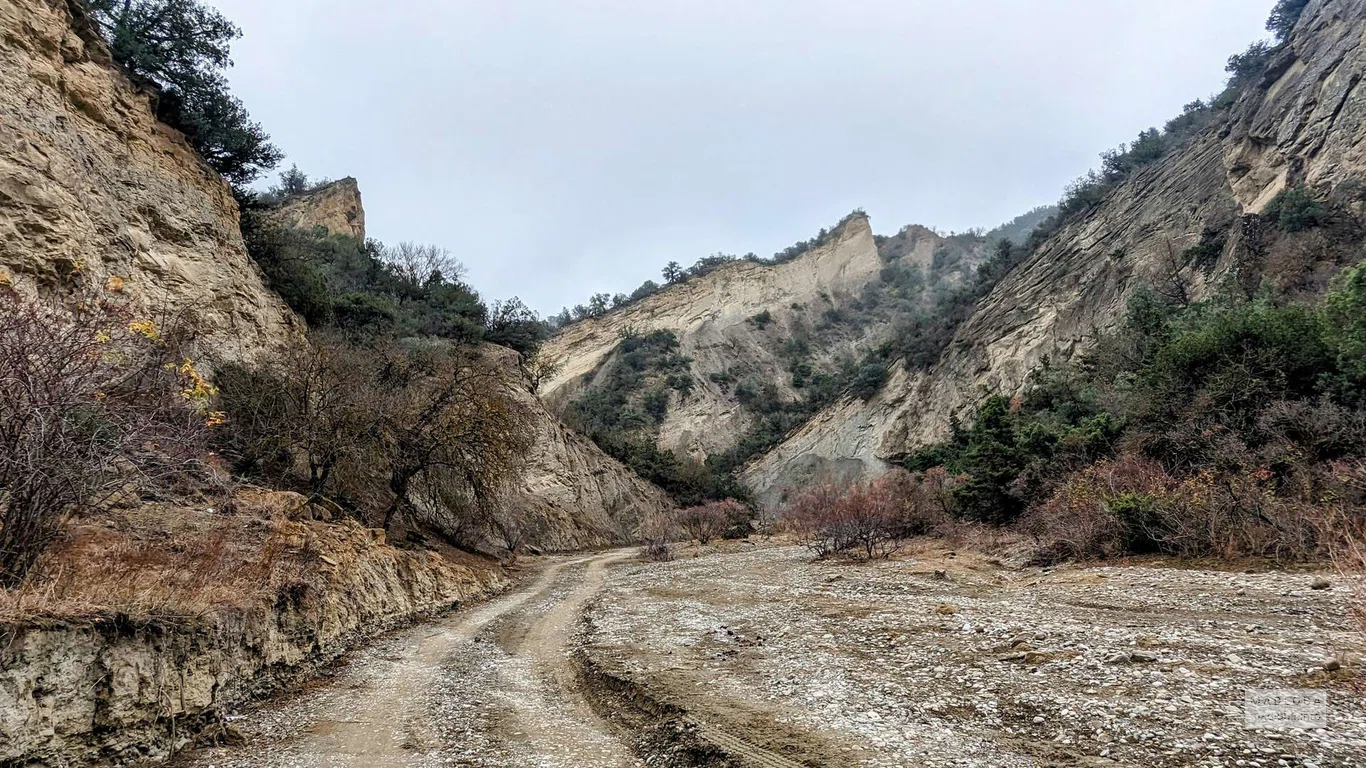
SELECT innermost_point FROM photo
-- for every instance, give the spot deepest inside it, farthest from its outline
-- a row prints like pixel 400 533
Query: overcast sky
pixel 564 147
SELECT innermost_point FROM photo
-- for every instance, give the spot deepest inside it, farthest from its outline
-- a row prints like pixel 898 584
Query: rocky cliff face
pixel 94 191
pixel 714 318
pixel 336 207
pixel 1303 124
pixel 572 494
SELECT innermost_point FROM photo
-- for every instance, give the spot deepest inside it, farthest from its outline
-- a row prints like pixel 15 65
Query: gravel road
pixel 492 686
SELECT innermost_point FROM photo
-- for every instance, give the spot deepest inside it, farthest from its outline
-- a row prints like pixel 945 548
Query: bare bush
pixel 870 520
pixel 1346 532
pixel 431 432
pixel 93 401
pixel 710 521
pixel 656 537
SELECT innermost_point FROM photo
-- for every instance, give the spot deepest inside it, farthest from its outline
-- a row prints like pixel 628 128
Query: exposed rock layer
pixel 93 188
pixel 112 690
pixel 574 495
pixel 336 207
pixel 713 318
pixel 1305 123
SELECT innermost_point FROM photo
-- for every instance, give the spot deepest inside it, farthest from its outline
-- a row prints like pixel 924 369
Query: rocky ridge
pixel 336 207
pixel 1302 124
pixel 714 317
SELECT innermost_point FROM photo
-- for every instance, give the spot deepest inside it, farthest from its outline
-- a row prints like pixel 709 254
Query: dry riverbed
pixel 952 659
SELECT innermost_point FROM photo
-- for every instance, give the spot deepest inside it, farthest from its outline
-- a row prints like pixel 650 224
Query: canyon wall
pixel 95 192
pixel 1304 123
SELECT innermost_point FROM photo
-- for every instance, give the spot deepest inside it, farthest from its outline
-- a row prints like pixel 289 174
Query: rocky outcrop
pixel 572 494
pixel 94 191
pixel 109 689
pixel 335 207
pixel 712 317
pixel 1305 123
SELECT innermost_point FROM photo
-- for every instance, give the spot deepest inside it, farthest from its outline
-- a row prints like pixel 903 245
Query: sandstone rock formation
pixel 109 689
pixel 574 495
pixel 336 207
pixel 94 191
pixel 1303 124
pixel 713 317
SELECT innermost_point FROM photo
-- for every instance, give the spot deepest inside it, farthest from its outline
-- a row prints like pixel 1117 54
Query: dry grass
pixel 165 562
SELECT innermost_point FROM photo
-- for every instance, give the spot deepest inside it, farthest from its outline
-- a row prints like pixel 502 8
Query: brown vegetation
pixel 869 520
pixel 710 521
pixel 95 402
pixel 428 432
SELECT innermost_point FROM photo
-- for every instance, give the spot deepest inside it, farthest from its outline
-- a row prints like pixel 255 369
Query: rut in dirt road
pixel 490 687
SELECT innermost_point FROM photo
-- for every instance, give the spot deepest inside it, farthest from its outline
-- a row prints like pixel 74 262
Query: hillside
pixel 721 364
pixel 94 191
pixel 1300 124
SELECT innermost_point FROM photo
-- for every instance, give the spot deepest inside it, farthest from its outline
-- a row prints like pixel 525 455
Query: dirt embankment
pixel 762 657
pixel 141 634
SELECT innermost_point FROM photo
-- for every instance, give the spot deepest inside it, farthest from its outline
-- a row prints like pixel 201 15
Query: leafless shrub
pixel 1346 532
pixel 93 401
pixel 869 520
pixel 710 521
pixel 656 537
pixel 429 432
pixel 420 263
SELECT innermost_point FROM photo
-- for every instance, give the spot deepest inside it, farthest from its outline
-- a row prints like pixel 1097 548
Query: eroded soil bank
pixel 940 659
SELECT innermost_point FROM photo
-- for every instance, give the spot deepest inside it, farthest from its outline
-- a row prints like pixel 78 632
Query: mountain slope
pixel 756 336
pixel 1302 124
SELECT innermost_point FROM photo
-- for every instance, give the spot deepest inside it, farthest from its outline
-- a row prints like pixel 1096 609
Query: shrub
pixel 1106 510
pixel 868 381
pixel 868 520
pixel 656 537
pixel 430 433
pixel 710 521
pixel 1295 210
pixel 92 400
pixel 1131 505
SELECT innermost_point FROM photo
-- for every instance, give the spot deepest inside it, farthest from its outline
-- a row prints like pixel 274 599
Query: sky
pixel 560 148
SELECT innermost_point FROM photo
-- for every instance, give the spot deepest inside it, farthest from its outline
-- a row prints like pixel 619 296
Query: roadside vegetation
pixel 1229 427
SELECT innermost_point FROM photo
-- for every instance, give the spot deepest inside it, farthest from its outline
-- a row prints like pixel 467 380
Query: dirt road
pixel 489 687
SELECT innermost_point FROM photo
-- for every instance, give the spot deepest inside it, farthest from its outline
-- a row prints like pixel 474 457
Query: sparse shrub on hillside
pixel 1295 210
pixel 868 381
pixel 95 403
pixel 372 290
pixel 182 47
pixel 516 326
pixel 428 433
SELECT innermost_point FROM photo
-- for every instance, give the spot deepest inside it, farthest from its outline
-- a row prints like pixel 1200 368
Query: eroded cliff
pixel 756 323
pixel 336 207
pixel 94 191
pixel 1302 124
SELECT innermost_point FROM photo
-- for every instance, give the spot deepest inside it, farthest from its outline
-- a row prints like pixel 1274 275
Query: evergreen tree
pixel 181 48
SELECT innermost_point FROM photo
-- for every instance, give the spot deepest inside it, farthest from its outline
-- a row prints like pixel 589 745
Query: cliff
pixel 572 494
pixel 1303 124
pixel 336 207
pixel 716 320
pixel 94 191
